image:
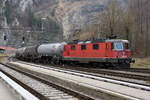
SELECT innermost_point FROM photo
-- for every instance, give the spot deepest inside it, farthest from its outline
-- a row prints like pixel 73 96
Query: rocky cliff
pixel 73 15
pixel 14 17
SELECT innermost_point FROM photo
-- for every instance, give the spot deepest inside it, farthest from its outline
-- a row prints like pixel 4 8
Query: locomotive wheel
pixel 107 65
pixel 96 65
pixel 115 65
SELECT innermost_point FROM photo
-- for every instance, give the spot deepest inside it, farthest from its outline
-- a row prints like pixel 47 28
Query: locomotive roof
pixel 98 41
pixel 6 48
pixel 87 41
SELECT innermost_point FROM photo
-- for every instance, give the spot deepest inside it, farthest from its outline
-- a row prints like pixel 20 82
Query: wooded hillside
pixel 141 12
pixel 131 23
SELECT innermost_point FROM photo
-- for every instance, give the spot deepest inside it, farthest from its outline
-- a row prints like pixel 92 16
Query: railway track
pixel 104 74
pixel 40 87
pixel 129 75
pixel 138 70
pixel 48 70
pixel 132 74
pixel 141 76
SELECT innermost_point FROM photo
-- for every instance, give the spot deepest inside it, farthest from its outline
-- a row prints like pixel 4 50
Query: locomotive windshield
pixel 118 46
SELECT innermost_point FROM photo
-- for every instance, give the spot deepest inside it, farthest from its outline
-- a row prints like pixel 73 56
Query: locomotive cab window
pixel 83 47
pixel 127 47
pixel 73 47
pixel 95 46
pixel 118 46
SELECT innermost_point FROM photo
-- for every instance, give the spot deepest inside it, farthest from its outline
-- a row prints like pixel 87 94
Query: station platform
pixel 6 93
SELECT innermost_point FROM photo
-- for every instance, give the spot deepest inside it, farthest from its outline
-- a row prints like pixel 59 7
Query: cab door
pixel 108 50
pixel 66 50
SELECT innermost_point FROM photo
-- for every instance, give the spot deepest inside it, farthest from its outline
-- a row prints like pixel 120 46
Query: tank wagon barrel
pixel 52 49
pixel 20 52
pixel 31 53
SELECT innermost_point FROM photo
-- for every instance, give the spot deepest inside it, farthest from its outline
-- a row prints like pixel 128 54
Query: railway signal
pixel 23 38
pixel 5 37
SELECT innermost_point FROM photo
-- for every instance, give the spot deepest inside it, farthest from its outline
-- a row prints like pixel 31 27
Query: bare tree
pixel 141 12
pixel 117 20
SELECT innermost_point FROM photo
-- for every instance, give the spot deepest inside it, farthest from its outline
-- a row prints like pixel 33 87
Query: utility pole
pixel 99 31
pixel 42 19
pixel 5 39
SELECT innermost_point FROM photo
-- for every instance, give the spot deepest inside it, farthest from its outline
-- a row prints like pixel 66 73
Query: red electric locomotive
pixel 113 52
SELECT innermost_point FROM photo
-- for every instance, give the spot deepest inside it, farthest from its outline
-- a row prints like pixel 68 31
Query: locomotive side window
pixel 127 47
pixel 83 47
pixel 95 46
pixel 73 47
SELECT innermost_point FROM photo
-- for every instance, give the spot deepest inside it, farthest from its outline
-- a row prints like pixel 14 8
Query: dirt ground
pixel 141 63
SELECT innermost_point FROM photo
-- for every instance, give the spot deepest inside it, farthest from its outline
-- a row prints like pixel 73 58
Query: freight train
pixel 109 53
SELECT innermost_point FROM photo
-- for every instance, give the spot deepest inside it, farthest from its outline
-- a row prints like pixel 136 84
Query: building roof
pixel 7 48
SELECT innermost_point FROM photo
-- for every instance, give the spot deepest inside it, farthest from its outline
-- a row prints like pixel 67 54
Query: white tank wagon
pixel 52 49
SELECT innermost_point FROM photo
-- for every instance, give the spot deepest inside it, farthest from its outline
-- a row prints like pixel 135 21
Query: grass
pixel 141 63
